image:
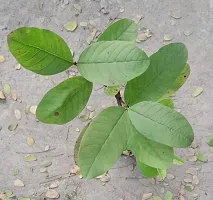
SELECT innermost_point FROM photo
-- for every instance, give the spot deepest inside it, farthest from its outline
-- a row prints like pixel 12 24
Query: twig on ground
pixel 44 151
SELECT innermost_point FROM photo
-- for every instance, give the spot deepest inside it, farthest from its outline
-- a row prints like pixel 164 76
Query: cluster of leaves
pixel 146 124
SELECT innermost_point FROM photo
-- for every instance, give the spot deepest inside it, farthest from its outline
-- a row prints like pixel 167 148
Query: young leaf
pixel 147 171
pixel 112 62
pixel 161 124
pixel 149 152
pixel 166 66
pixel 103 142
pixel 111 90
pixel 39 50
pixel 64 102
pixel 78 143
pixel 167 102
pixel 124 30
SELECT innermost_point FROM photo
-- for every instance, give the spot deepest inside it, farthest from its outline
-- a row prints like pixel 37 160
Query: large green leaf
pixel 64 102
pixel 161 124
pixel 167 102
pixel 39 50
pixel 124 30
pixel 112 62
pixel 166 66
pixel 103 142
pixel 147 171
pixel 149 152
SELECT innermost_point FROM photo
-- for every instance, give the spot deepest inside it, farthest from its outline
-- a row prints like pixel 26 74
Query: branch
pixel 119 98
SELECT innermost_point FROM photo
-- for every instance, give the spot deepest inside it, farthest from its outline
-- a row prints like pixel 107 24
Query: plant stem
pixel 119 98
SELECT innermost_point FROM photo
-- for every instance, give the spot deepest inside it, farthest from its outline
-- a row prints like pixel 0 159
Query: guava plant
pixel 144 121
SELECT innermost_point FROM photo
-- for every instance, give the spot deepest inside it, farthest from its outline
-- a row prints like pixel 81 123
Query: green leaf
pixel 124 30
pixel 167 102
pixel 78 142
pixel 39 50
pixel 168 196
pixel 64 102
pixel 188 188
pixel 166 66
pixel 103 142
pixel 111 90
pixel 112 62
pixel 210 142
pixel 161 124
pixel 177 160
pixel 147 171
pixel 149 152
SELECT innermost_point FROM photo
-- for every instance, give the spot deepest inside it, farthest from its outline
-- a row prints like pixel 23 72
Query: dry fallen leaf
pixel 18 66
pixel 33 109
pixel 54 185
pixel 84 118
pixel 77 7
pixel 7 88
pixel 14 96
pixel 43 169
pixel 2 96
pixel 29 158
pixel 2 196
pixel 52 194
pixel 2 59
pixel 104 177
pixel 201 157
pixel 12 127
pixel 83 24
pixel 15 172
pixel 45 163
pixel 197 91
pixel 30 141
pixel 8 193
pixel 168 37
pixel 27 109
pixel 187 32
pixel 71 25
pixel 147 196
pixel 17 114
pixel 18 183
pixel 23 198
pixel 176 14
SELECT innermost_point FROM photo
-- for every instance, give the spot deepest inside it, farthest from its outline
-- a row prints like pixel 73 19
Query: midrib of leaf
pixel 163 125
pixel 43 50
pixel 67 99
pixel 105 143
pixel 154 76
pixel 109 62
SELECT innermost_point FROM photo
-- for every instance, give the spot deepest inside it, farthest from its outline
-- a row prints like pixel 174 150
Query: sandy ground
pixel 125 183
